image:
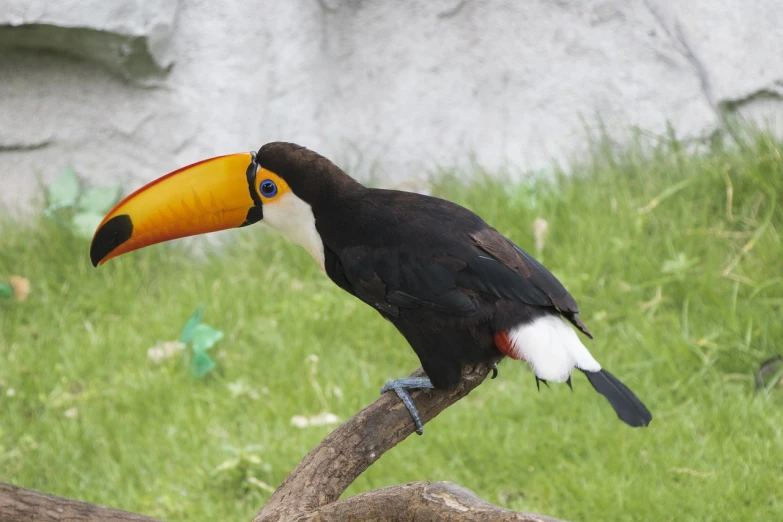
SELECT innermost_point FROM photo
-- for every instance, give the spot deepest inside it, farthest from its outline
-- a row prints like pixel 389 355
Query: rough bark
pixel 19 504
pixel 311 492
pixel 420 502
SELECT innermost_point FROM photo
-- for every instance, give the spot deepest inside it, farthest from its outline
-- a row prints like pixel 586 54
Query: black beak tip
pixel 112 234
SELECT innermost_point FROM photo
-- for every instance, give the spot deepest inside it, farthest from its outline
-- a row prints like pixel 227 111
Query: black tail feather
pixel 628 407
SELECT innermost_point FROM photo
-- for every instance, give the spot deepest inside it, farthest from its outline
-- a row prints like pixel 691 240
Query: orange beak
pixel 211 195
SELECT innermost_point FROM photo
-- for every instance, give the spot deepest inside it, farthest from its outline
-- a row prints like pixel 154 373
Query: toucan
pixel 457 290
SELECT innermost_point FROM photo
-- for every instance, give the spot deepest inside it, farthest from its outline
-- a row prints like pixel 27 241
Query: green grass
pixel 675 259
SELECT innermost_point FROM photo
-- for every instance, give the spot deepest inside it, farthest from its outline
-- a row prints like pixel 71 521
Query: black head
pixel 312 177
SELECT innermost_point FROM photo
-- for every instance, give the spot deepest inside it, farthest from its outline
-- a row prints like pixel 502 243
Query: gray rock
pixel 131 37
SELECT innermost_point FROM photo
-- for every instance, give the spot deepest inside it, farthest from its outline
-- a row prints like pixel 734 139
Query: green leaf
pixel 205 337
pixel 64 190
pixel 99 200
pixel 84 224
pixel 201 364
pixel 187 332
pixel 6 290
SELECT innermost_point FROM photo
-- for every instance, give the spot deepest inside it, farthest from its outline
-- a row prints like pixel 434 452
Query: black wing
pixel 389 279
pixel 505 270
pixel 446 280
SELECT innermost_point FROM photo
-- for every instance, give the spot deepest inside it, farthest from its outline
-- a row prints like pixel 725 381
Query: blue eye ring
pixel 267 188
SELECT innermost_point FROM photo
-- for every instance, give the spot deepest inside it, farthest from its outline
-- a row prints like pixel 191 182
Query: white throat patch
pixel 294 219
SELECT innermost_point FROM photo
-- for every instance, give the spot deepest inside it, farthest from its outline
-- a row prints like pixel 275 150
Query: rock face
pixel 130 89
pixel 131 37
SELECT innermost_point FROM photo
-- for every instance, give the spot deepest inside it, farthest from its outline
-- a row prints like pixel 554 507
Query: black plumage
pixel 446 279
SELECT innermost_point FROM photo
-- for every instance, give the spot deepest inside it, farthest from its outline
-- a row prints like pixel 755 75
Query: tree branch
pixel 327 471
pixel 19 504
pixel 420 501
pixel 311 492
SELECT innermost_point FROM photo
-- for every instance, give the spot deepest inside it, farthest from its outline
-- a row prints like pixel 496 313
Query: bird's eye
pixel 268 188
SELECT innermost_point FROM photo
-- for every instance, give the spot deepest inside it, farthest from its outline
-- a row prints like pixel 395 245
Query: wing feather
pixel 488 263
pixel 512 273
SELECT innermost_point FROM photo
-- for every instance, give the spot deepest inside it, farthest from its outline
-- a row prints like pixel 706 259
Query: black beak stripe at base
pixel 250 174
pixel 254 215
pixel 112 234
pixel 256 212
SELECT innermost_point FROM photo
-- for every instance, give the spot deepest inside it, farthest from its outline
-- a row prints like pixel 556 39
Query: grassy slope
pixel 685 337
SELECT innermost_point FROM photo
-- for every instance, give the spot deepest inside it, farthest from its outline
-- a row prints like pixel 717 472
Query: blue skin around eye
pixel 268 188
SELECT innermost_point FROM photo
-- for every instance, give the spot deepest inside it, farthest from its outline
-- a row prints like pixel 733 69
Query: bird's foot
pixel 401 387
pixel 494 367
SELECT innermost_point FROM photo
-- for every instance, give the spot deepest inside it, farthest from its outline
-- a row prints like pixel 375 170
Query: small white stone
pixel 299 421
pixel 320 419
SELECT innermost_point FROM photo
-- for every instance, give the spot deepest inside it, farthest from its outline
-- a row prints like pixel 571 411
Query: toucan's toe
pixel 401 387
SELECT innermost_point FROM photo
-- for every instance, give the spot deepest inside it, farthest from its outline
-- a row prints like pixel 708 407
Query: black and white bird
pixel 456 289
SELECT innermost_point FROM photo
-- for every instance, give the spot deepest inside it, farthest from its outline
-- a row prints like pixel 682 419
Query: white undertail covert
pixel 551 347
